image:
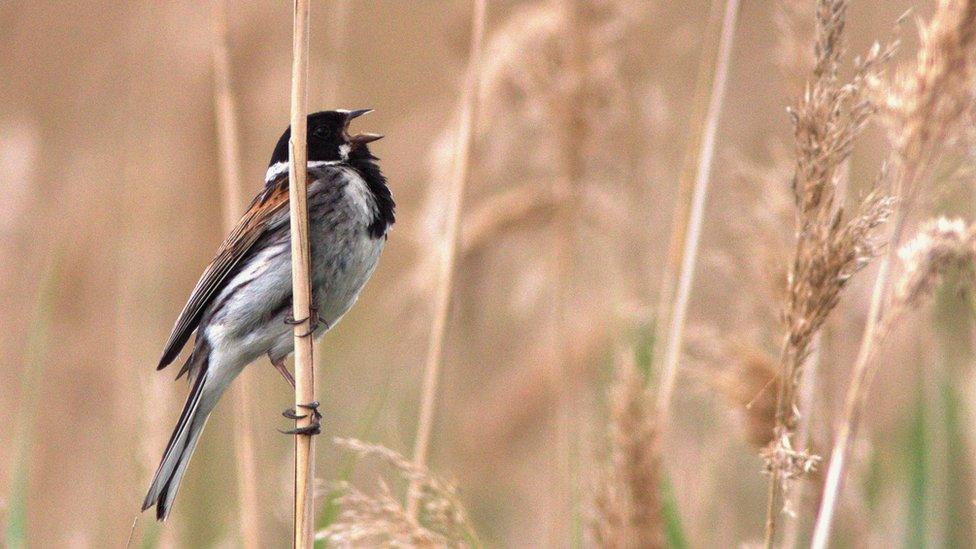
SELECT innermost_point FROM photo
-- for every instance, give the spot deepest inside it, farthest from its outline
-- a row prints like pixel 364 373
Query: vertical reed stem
pixel 808 388
pixel 936 96
pixel 853 403
pixel 696 213
pixel 228 138
pixel 300 261
pixel 686 181
pixel 571 127
pixel 448 251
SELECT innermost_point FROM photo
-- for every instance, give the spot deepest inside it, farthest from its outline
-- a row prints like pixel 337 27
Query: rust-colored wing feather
pixel 249 229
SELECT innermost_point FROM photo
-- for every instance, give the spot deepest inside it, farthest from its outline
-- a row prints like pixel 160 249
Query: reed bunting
pixel 241 306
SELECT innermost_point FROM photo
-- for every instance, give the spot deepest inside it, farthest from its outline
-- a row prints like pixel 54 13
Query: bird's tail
pixel 182 442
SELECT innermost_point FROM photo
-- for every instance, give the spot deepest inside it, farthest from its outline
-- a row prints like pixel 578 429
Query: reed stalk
pixel 808 388
pixel 228 137
pixel 940 246
pixel 686 182
pixel 696 214
pixel 830 248
pixel 572 130
pixel 300 263
pixel 448 252
pixel 926 108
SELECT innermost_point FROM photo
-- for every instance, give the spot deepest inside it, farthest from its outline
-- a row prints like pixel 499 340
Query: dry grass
pixel 587 111
pixel 707 64
pixel 545 171
pixel 941 246
pixel 381 520
pixel 696 214
pixel 831 247
pixel 627 504
pixel 449 246
pixel 925 107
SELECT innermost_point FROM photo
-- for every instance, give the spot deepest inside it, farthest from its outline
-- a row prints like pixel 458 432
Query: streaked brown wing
pixel 248 230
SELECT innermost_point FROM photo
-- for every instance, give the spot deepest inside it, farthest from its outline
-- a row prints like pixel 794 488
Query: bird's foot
pixel 282 369
pixel 314 428
pixel 312 319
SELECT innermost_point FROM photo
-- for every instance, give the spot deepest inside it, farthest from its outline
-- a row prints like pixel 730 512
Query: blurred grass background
pixel 110 209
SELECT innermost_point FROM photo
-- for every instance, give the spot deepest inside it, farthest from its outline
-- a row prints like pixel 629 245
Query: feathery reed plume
pixel 301 287
pixel 745 383
pixel 573 106
pixel 795 25
pixel 628 509
pixel 696 214
pixel 829 249
pixel 380 520
pixel 941 246
pixel 925 108
pixel 228 138
pixel 805 401
pixel 448 250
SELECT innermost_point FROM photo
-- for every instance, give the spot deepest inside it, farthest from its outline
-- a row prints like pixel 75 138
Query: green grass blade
pixel 15 535
pixel 954 324
pixel 673 530
pixel 644 352
pixel 918 466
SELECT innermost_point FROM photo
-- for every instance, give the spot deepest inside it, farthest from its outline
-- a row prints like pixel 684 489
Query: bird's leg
pixel 280 366
pixel 312 318
pixel 314 428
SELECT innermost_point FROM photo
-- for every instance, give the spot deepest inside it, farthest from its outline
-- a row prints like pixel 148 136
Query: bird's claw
pixel 312 319
pixel 291 414
pixel 314 429
pixel 314 407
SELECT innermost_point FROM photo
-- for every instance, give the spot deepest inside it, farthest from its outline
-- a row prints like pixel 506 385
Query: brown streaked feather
pixel 248 230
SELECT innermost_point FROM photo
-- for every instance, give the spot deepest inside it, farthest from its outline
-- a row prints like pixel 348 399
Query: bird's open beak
pixel 362 138
pixel 357 113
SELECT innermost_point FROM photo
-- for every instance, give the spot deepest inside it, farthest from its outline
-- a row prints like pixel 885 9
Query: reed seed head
pixel 628 508
pixel 372 520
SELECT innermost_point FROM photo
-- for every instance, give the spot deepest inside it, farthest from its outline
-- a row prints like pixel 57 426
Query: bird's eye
pixel 320 132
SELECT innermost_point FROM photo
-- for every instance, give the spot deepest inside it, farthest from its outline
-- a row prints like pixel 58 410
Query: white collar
pixel 275 170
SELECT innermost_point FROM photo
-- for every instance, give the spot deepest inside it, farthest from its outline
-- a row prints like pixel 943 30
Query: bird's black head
pixel 329 138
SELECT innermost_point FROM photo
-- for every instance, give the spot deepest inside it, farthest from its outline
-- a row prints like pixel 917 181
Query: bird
pixel 240 307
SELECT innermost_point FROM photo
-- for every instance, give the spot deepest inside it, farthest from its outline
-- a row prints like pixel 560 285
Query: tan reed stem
pixel 856 392
pixel 808 388
pixel 572 131
pixel 448 252
pixel 228 137
pixel 874 331
pixel 931 102
pixel 679 231
pixel 696 214
pixel 301 287
pixel 774 485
